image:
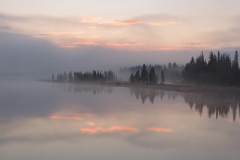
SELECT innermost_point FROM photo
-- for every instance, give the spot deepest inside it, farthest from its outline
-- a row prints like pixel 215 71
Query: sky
pixel 105 33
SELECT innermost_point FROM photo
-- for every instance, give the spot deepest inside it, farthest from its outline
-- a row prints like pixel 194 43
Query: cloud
pixel 24 54
pixel 72 118
pixel 161 23
pixel 222 38
pixel 134 32
pixel 91 20
pixel 64 33
pixel 127 22
pixel 68 46
pixel 165 130
pixel 87 37
pixel 92 27
pixel 113 129
pixel 117 45
pixel 4 28
pixel 192 44
pixel 158 17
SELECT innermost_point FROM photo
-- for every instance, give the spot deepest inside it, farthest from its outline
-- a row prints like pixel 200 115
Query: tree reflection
pixel 219 104
pixel 94 89
pixel 150 94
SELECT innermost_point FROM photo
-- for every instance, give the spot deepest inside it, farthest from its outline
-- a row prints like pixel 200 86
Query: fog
pixel 38 58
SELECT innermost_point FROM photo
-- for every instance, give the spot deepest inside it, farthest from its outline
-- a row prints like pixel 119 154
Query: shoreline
pixel 186 88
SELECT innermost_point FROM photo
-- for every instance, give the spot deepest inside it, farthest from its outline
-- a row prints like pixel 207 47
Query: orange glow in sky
pixel 141 22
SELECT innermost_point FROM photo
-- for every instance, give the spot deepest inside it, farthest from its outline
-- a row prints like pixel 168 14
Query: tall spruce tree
pixel 137 77
pixel 162 77
pixel 132 79
pixel 152 76
pixel 70 76
pixel 144 74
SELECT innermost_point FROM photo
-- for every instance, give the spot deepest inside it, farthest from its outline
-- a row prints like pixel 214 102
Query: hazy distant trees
pixel 144 76
pixel 162 77
pixel 218 70
pixel 172 71
pixel 87 76
pixel 70 76
pixel 95 76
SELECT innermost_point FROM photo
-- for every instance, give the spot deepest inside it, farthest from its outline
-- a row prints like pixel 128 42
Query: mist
pixel 39 58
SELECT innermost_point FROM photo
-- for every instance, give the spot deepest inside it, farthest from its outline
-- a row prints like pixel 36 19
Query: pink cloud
pixel 87 37
pixel 192 44
pixel 161 23
pixel 64 33
pixel 90 20
pixel 127 22
pixel 68 46
pixel 107 44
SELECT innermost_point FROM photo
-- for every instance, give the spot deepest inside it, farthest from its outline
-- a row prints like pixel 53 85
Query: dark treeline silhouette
pixel 87 76
pixel 145 76
pixel 218 70
pixel 172 71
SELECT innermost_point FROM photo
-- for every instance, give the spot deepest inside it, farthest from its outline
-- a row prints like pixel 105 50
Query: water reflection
pixel 219 105
pixel 81 88
pixel 78 120
pixel 150 94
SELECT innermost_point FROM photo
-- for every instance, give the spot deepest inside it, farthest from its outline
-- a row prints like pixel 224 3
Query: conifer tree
pixel 132 78
pixel 137 77
pixel 218 70
pixel 144 74
pixel 152 76
pixel 70 76
pixel 162 77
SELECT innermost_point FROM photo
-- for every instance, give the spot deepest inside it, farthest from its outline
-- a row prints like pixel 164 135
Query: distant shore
pixel 188 88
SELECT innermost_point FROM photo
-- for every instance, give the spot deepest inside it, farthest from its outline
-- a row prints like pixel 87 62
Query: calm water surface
pixel 51 121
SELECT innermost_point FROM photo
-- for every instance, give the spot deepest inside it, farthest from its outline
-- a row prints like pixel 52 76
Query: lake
pixel 57 121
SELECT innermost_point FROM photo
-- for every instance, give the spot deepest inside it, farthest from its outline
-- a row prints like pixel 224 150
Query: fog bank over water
pixel 25 55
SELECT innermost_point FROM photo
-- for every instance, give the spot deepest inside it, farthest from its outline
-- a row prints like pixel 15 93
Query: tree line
pixel 218 70
pixel 87 76
pixel 146 76
pixel 172 71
